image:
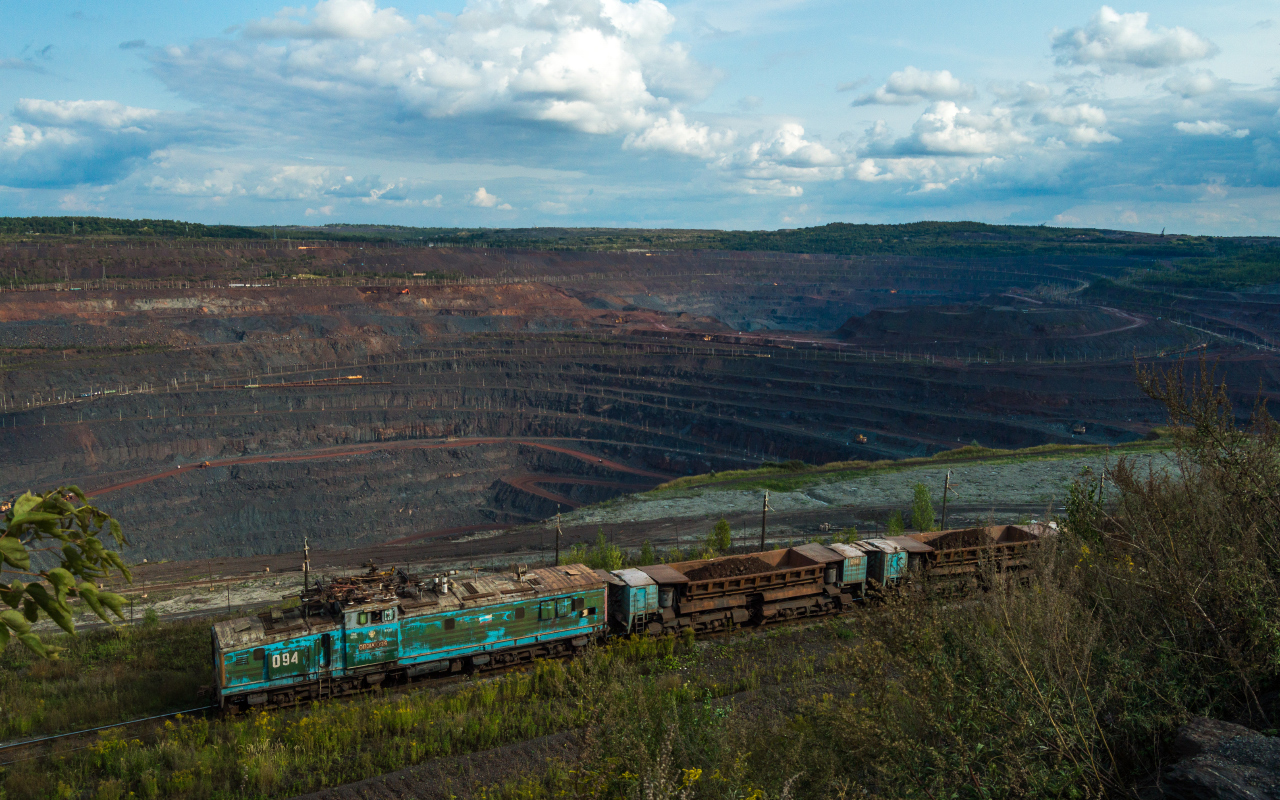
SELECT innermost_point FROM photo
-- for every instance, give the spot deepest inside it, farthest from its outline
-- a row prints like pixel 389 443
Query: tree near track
pixel 922 509
pixel 59 526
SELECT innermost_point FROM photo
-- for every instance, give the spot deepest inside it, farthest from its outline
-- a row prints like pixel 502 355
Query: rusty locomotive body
pixel 352 634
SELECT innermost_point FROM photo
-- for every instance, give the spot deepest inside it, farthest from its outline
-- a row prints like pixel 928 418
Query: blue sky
pixel 695 113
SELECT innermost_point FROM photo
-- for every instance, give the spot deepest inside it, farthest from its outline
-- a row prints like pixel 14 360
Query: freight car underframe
pixel 753 610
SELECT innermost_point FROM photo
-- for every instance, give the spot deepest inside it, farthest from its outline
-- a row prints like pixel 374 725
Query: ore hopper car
pixel 755 589
pixel 352 634
pixel 961 558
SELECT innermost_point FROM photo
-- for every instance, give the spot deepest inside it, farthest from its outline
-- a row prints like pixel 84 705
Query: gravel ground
pixel 1015 482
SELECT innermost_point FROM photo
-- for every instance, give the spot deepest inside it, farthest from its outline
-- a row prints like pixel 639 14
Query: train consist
pixel 352 634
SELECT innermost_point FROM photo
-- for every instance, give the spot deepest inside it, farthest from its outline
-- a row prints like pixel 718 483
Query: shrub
pixel 721 537
pixel 922 509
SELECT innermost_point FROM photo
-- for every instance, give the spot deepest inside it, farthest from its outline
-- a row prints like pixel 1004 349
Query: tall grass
pixel 104 677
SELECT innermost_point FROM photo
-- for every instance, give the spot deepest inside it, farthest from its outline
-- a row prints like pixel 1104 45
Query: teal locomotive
pixel 353 634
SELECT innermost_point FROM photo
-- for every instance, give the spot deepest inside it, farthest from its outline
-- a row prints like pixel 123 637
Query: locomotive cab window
pixel 362 618
pixel 389 615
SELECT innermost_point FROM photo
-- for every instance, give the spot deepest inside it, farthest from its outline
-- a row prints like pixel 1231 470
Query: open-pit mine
pixel 225 398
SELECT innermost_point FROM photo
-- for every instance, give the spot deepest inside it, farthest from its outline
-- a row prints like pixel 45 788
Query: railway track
pixel 47 743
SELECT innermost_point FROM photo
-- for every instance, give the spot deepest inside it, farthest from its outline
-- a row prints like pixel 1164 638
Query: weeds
pixel 103 677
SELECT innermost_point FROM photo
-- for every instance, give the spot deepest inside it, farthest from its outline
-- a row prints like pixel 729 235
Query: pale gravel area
pixel 1020 482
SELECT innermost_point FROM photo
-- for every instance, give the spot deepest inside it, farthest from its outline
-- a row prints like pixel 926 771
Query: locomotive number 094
pixel 279 660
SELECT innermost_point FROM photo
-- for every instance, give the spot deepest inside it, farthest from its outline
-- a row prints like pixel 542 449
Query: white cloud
pixel 1116 41
pixel 482 199
pixel 950 129
pixel 1083 121
pixel 322 211
pixel 1211 128
pixel 78 203
pixel 55 143
pixel 772 187
pixel 291 182
pixel 674 134
pixel 1195 84
pixel 1026 93
pixel 1080 114
pixel 331 19
pixel 774 163
pixel 72 113
pixel 181 174
pixel 913 85
pixel 594 66
pixel 1084 134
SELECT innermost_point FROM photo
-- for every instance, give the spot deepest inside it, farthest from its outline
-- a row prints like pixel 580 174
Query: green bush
pixel 922 509
pixel 720 539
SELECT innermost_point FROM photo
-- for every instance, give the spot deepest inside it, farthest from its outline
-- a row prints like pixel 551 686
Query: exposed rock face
pixel 1221 760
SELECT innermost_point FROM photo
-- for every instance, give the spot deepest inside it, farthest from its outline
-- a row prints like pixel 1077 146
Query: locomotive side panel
pixel 461 632
pixel 371 636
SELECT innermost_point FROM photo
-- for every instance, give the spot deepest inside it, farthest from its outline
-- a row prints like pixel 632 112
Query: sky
pixel 743 114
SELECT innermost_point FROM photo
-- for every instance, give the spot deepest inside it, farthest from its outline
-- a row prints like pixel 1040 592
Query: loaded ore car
pixel 713 594
pixel 351 634
pixel 961 557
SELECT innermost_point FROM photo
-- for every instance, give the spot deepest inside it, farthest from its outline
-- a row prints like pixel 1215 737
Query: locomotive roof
pixel 493 588
pixel 481 590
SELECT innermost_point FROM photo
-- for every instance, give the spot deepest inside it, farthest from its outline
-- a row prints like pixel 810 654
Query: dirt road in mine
pixel 524 481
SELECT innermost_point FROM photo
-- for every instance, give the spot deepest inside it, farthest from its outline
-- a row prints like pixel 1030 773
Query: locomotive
pixel 352 634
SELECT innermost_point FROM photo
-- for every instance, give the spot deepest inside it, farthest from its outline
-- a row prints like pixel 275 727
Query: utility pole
pixel 764 517
pixel 947 486
pixel 306 562
pixel 558 538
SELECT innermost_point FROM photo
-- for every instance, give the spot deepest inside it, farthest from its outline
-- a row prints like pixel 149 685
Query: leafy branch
pixel 62 525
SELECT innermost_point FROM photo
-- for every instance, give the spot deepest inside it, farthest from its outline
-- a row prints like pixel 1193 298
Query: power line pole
pixel 557 538
pixel 764 518
pixel 947 486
